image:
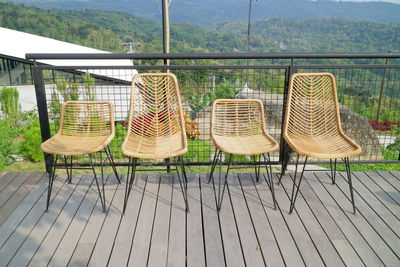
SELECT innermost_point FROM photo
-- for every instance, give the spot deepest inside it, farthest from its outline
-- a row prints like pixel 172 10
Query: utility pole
pixel 165 16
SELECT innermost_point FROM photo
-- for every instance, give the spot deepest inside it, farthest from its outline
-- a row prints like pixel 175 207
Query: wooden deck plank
pixel 380 237
pixel 305 244
pixel 385 186
pixel 13 186
pixel 379 193
pixel 141 240
pixel 319 238
pixel 396 174
pixel 370 199
pixel 87 240
pixel 69 241
pixel 122 243
pixel 15 200
pixel 392 178
pixel 6 178
pixel 23 209
pixel 159 240
pixel 328 224
pixel 212 233
pixel 52 239
pixel 287 246
pixel 75 226
pixel 33 240
pixel 366 253
pixel 104 242
pixel 250 245
pixel 195 245
pixel 256 206
pixel 177 231
pixel 233 250
pixel 21 231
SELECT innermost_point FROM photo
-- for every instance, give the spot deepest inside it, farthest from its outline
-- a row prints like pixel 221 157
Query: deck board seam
pixel 269 221
pixel 55 219
pixel 251 219
pixel 351 222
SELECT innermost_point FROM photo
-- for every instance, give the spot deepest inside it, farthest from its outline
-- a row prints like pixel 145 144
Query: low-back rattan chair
pixel 238 127
pixel 312 126
pixel 156 128
pixel 86 127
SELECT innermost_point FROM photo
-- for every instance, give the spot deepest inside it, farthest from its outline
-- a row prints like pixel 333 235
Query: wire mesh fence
pixel 369 97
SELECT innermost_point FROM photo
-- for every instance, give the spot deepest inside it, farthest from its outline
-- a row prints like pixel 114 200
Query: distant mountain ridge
pixel 107 31
pixel 208 12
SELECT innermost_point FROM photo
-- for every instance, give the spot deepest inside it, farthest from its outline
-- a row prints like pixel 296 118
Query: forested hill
pixel 319 35
pixel 208 12
pixel 108 30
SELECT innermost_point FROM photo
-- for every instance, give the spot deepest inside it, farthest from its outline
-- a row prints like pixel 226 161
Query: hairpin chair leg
pixel 101 194
pixel 214 163
pixel 129 181
pixel 347 163
pixel 184 186
pixel 111 159
pixel 69 171
pixel 333 171
pixel 269 180
pixel 257 167
pixel 294 195
pixel 221 195
pixel 51 180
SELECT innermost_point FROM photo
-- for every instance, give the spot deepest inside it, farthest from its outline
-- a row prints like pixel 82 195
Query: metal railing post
pixel 284 149
pixel 42 111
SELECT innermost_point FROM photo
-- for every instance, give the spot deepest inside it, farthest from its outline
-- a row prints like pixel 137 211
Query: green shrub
pixel 10 106
pixel 6 141
pixel 31 145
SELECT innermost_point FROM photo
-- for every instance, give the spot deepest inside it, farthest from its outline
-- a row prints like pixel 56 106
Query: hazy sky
pixel 392 1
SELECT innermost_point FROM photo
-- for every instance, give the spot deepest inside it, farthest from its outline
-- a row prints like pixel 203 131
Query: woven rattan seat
pixel 86 127
pixel 156 128
pixel 238 127
pixel 312 124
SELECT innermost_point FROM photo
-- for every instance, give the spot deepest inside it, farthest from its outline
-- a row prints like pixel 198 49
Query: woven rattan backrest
pixel 312 105
pixel 155 107
pixel 87 118
pixel 237 117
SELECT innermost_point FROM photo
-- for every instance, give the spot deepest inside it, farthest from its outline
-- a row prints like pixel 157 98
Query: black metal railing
pixel 368 90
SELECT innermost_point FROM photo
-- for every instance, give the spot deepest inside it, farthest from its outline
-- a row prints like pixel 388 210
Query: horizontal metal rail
pixel 102 56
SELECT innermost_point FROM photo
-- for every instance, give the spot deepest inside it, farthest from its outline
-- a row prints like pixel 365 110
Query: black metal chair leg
pixel 184 186
pixel 69 171
pixel 111 159
pixel 221 195
pixel 294 195
pixel 103 201
pixel 51 180
pixel 333 172
pixel 270 181
pixel 257 168
pixel 347 163
pixel 129 182
pixel 284 167
pixel 214 163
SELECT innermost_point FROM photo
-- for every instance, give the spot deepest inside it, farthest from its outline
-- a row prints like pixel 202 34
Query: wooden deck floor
pixel 156 231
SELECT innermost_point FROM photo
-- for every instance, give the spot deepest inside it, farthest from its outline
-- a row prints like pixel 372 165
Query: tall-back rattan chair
pixel 156 128
pixel 86 127
pixel 312 125
pixel 238 127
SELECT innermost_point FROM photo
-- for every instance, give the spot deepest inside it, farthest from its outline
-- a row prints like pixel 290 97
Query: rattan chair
pixel 312 125
pixel 156 128
pixel 238 127
pixel 86 127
